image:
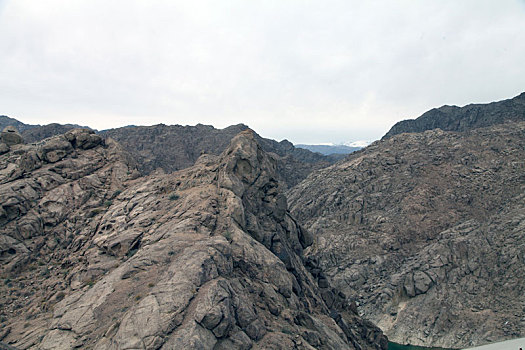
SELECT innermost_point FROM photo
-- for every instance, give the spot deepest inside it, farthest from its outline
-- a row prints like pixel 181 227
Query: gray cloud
pixel 309 71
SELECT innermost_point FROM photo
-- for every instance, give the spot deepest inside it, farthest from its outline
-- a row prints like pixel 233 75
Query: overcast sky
pixel 309 71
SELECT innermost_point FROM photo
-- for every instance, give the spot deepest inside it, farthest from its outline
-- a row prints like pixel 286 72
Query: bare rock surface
pixel 175 147
pixel 454 118
pixel 40 132
pixel 35 133
pixel 93 256
pixel 426 232
pixel 10 136
pixel 7 121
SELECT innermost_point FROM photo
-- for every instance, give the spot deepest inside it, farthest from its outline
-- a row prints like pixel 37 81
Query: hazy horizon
pixel 310 72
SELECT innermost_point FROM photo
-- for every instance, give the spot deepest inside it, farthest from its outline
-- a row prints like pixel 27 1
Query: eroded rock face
pixel 10 137
pixel 208 257
pixel 38 133
pixel 426 232
pixel 6 121
pixel 4 148
pixel 453 118
pixel 175 147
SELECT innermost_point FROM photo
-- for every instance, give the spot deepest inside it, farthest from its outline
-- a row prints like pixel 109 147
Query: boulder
pixel 10 136
pixel 4 148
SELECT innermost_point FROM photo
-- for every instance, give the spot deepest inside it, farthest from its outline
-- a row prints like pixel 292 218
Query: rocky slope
pixel 453 118
pixel 427 232
pixel 7 121
pixel 205 258
pixel 9 137
pixel 34 133
pixel 175 147
pixel 40 132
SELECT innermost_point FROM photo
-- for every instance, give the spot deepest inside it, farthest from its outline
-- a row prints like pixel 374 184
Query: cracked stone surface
pixel 426 231
pixel 473 116
pixel 209 257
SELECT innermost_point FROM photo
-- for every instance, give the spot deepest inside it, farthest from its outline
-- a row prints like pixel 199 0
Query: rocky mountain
pixel 175 147
pixel 6 121
pixel 453 118
pixel 426 232
pixel 40 132
pixel 34 133
pixel 209 257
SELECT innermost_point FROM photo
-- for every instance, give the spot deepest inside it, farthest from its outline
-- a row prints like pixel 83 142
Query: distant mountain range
pixel 34 133
pixel 329 149
pixel 175 147
pixel 454 118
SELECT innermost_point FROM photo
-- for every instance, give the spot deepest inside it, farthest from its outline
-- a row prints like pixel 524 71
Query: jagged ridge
pixel 453 118
pixel 207 257
pixel 426 231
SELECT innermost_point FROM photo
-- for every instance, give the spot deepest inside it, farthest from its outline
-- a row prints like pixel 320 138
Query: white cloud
pixel 309 71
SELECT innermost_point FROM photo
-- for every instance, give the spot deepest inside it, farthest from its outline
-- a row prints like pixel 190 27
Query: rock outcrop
pixel 453 118
pixel 41 132
pixel 205 258
pixel 10 137
pixel 35 133
pixel 426 232
pixel 175 147
pixel 7 121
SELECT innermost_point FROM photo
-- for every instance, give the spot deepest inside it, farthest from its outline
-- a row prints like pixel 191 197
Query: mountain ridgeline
pixel 453 118
pixel 95 256
pixel 426 229
pixel 191 237
pixel 332 150
pixel 174 147
pixel 34 133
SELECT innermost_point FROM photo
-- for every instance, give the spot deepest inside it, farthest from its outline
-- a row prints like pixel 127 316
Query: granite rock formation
pixel 34 133
pixel 427 232
pixel 41 132
pixel 93 256
pixel 170 148
pixel 7 121
pixel 10 137
pixel 175 147
pixel 453 118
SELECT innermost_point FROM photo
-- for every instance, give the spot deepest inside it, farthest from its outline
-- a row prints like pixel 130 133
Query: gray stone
pixel 421 282
pixel 435 245
pixel 256 330
pixel 56 149
pixel 4 148
pixel 126 266
pixel 10 136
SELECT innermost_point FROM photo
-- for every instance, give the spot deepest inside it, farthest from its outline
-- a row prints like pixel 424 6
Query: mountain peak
pixel 206 257
pixel 453 118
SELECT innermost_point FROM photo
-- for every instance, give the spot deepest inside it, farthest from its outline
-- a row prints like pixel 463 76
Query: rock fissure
pixel 218 265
